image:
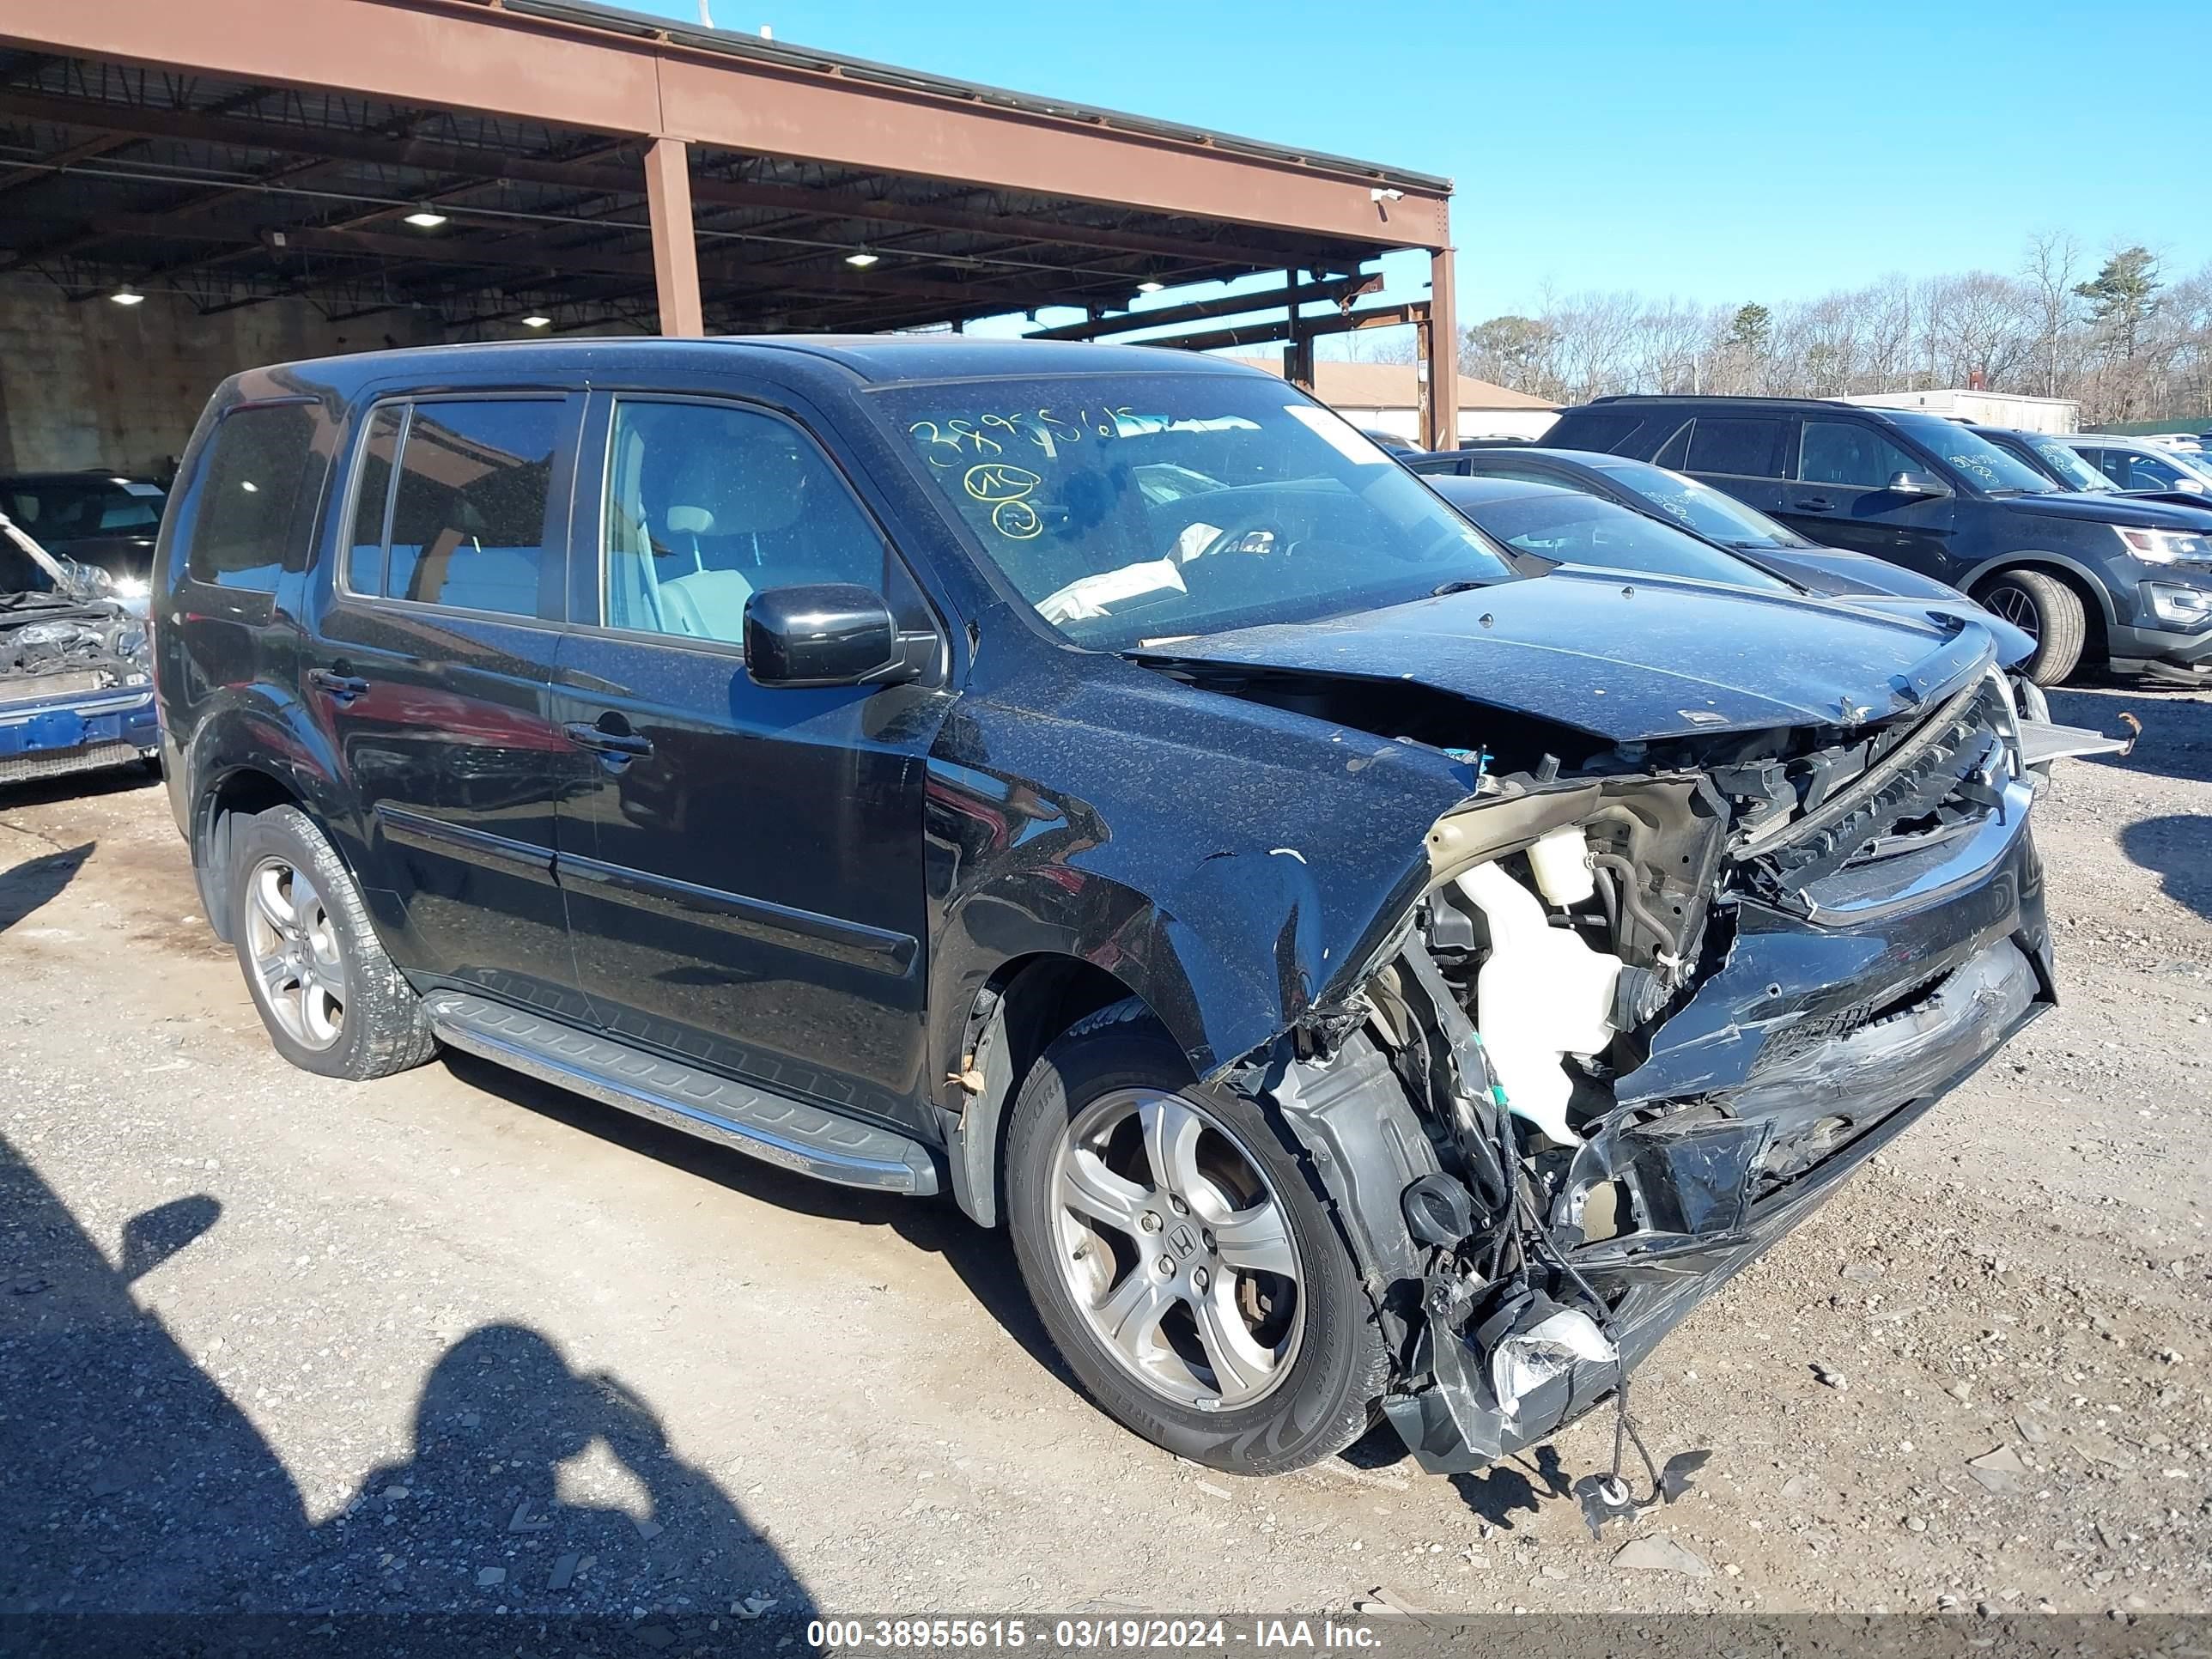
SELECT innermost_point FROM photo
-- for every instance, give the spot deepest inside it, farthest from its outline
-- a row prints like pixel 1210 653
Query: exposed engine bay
pixel 61 634
pixel 1650 1006
pixel 54 644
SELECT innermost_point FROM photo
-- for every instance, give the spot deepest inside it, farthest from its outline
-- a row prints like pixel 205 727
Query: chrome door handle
pixel 341 688
pixel 628 744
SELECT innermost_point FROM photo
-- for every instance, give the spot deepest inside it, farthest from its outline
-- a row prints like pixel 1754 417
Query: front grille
pixel 1925 784
pixel 36 688
pixel 57 763
pixel 1817 1031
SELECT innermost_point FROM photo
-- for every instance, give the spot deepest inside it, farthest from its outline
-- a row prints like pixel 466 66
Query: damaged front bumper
pixel 1827 1030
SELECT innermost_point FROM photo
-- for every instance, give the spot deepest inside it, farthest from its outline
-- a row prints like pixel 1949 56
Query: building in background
pixel 2012 409
pixel 1386 398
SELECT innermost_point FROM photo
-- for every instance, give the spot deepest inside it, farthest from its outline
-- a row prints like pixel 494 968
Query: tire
pixel 1327 1364
pixel 352 1014
pixel 2046 608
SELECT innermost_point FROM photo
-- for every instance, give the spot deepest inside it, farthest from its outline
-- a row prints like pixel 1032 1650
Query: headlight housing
pixel 2165 546
pixel 2178 606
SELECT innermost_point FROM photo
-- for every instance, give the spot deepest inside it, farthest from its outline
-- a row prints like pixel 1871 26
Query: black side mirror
pixel 824 634
pixel 1915 483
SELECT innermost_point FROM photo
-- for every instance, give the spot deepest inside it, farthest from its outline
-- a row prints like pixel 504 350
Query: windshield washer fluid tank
pixel 1542 995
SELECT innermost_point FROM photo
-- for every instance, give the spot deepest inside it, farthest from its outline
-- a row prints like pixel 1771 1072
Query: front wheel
pixel 2049 613
pixel 1178 1255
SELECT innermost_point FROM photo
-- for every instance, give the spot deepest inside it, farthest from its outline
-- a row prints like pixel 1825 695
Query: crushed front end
pixel 1655 1005
pixel 76 687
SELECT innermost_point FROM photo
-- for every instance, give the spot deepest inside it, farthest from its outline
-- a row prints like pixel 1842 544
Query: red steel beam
pixel 1443 333
pixel 458 54
pixel 675 242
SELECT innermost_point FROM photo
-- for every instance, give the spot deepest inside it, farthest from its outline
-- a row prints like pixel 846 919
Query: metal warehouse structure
pixel 469 166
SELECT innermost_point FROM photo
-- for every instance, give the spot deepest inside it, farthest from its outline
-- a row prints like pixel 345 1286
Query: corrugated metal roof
pixel 732 44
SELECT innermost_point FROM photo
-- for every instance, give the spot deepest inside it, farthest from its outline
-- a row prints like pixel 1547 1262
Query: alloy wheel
pixel 2015 607
pixel 294 946
pixel 1174 1246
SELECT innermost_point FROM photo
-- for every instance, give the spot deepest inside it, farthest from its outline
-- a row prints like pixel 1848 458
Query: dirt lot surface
pixel 452 1340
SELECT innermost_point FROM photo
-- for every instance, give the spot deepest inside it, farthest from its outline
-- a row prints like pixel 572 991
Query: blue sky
pixel 1713 152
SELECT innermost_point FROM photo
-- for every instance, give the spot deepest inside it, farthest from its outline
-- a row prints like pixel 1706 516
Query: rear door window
pixel 260 489
pixel 467 517
pixel 2141 470
pixel 1849 453
pixel 1741 446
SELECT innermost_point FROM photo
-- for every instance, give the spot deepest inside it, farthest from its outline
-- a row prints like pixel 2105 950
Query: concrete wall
pixel 96 384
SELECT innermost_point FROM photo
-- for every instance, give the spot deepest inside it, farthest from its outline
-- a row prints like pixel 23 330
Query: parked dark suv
pixel 1099 781
pixel 2128 583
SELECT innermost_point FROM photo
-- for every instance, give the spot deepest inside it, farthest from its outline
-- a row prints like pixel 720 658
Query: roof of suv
pixel 874 359
pixel 1724 400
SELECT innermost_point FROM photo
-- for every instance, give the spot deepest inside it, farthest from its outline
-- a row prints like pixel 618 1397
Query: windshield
pixel 2071 468
pixel 1712 514
pixel 1574 528
pixel 58 511
pixel 1996 471
pixel 1131 509
pixel 2195 463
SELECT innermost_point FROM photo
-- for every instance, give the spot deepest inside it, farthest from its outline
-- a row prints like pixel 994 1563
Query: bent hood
pixel 1626 660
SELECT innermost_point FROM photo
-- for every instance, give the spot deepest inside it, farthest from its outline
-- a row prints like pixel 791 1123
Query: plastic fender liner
pixel 1351 1114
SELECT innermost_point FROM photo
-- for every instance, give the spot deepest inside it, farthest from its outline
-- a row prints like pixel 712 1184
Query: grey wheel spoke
pixel 293 947
pixel 1090 1188
pixel 1241 1366
pixel 269 899
pixel 1257 1240
pixel 1148 1167
pixel 1171 1133
pixel 1130 1315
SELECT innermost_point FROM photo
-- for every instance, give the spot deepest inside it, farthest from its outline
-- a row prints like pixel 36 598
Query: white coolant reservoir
pixel 1542 995
pixel 1561 864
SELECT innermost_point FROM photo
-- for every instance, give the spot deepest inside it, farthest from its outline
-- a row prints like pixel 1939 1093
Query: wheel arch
pixel 235 796
pixel 1027 1003
pixel 260 750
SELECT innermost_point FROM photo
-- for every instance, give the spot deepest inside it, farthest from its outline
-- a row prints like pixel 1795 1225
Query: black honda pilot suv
pixel 1365 968
pixel 2123 583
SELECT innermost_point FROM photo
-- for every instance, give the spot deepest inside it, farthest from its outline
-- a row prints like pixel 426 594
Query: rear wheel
pixel 2049 613
pixel 1178 1255
pixel 331 1000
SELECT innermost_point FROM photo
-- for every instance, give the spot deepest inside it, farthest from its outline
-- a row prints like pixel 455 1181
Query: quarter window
pixel 259 492
pixel 1844 452
pixel 462 523
pixel 1743 448
pixel 709 504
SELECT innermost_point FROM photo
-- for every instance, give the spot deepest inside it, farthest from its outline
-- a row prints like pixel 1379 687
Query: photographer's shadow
pixel 534 1487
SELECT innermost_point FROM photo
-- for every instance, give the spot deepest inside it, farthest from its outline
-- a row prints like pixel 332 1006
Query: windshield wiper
pixel 1462 585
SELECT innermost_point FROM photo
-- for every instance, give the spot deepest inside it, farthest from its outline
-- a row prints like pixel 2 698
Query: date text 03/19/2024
pixel 1078 1635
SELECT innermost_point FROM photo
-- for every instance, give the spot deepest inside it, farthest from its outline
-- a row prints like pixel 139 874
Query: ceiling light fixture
pixel 428 218
pixel 538 319
pixel 1149 287
pixel 127 295
pixel 861 260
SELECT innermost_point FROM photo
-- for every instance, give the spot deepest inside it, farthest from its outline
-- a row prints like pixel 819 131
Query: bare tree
pixel 2121 342
pixel 2051 271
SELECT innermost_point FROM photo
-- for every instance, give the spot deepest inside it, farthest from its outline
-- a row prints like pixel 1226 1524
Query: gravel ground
pixel 455 1342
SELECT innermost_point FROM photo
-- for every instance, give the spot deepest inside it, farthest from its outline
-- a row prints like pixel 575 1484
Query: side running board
pixel 799 1136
